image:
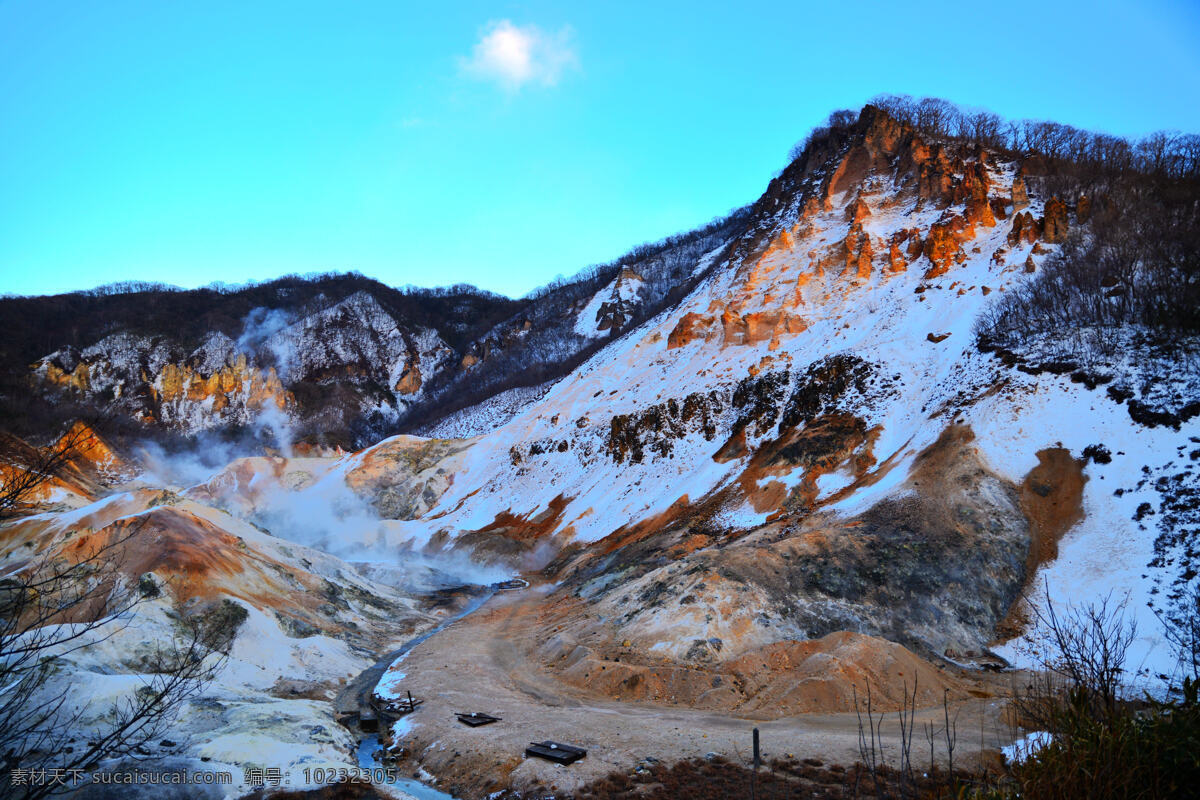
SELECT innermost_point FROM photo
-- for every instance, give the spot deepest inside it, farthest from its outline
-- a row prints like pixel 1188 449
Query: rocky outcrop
pixel 75 377
pixel 1083 210
pixel 502 338
pixel 624 298
pixel 979 212
pixel 410 380
pixel 915 245
pixel 935 173
pixel 1020 196
pixel 858 252
pixel 157 385
pixel 974 184
pixel 179 385
pixel 857 210
pixel 333 363
pixel 943 245
pixel 758 326
pixel 1054 223
pixel 896 262
pixel 653 431
pixel 691 326
pixel 1025 230
pixel 736 329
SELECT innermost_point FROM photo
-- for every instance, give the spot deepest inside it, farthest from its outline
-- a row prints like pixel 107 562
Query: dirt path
pixel 479 663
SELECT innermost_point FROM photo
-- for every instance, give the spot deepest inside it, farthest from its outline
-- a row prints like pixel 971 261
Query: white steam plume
pixel 261 333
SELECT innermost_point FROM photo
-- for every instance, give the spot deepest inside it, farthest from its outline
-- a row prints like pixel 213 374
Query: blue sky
pixel 499 144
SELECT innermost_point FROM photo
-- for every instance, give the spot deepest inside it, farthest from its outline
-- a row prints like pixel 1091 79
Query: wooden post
pixel 410 702
pixel 754 771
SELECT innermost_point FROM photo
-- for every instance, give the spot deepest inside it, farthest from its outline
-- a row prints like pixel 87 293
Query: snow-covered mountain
pixel 803 383
pixel 750 467
pixel 814 430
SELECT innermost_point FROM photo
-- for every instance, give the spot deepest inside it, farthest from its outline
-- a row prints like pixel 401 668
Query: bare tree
pixel 65 600
pixel 1181 626
pixel 1084 665
pixel 28 468
pixel 937 116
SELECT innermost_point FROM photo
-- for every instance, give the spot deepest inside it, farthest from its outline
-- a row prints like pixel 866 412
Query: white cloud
pixel 514 55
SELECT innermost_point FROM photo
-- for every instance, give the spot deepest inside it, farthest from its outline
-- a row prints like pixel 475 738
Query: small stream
pixel 367 748
pixel 368 744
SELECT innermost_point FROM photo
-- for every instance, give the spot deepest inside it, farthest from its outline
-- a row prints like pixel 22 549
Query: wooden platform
pixel 555 751
pixel 402 706
pixel 475 718
pixel 395 706
pixel 511 585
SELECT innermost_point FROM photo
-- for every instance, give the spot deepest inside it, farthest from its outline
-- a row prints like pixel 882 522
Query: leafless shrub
pixel 1181 626
pixel 1083 662
pixel 28 468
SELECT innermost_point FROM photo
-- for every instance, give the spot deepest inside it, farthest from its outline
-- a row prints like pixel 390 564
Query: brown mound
pixel 777 680
pixel 199 560
pixel 79 462
pixel 826 674
pixel 404 477
pixel 88 450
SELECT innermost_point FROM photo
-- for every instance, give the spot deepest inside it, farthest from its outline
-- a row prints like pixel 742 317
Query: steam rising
pixel 330 517
pixel 210 451
pixel 274 421
pixel 260 336
pixel 308 502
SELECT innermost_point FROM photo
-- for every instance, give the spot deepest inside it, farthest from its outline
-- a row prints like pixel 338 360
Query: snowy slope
pixel 798 290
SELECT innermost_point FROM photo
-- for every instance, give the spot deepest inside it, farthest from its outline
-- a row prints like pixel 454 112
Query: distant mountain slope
pixel 343 355
pixel 336 359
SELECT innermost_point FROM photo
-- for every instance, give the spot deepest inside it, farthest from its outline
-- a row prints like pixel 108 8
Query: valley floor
pixel 483 663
